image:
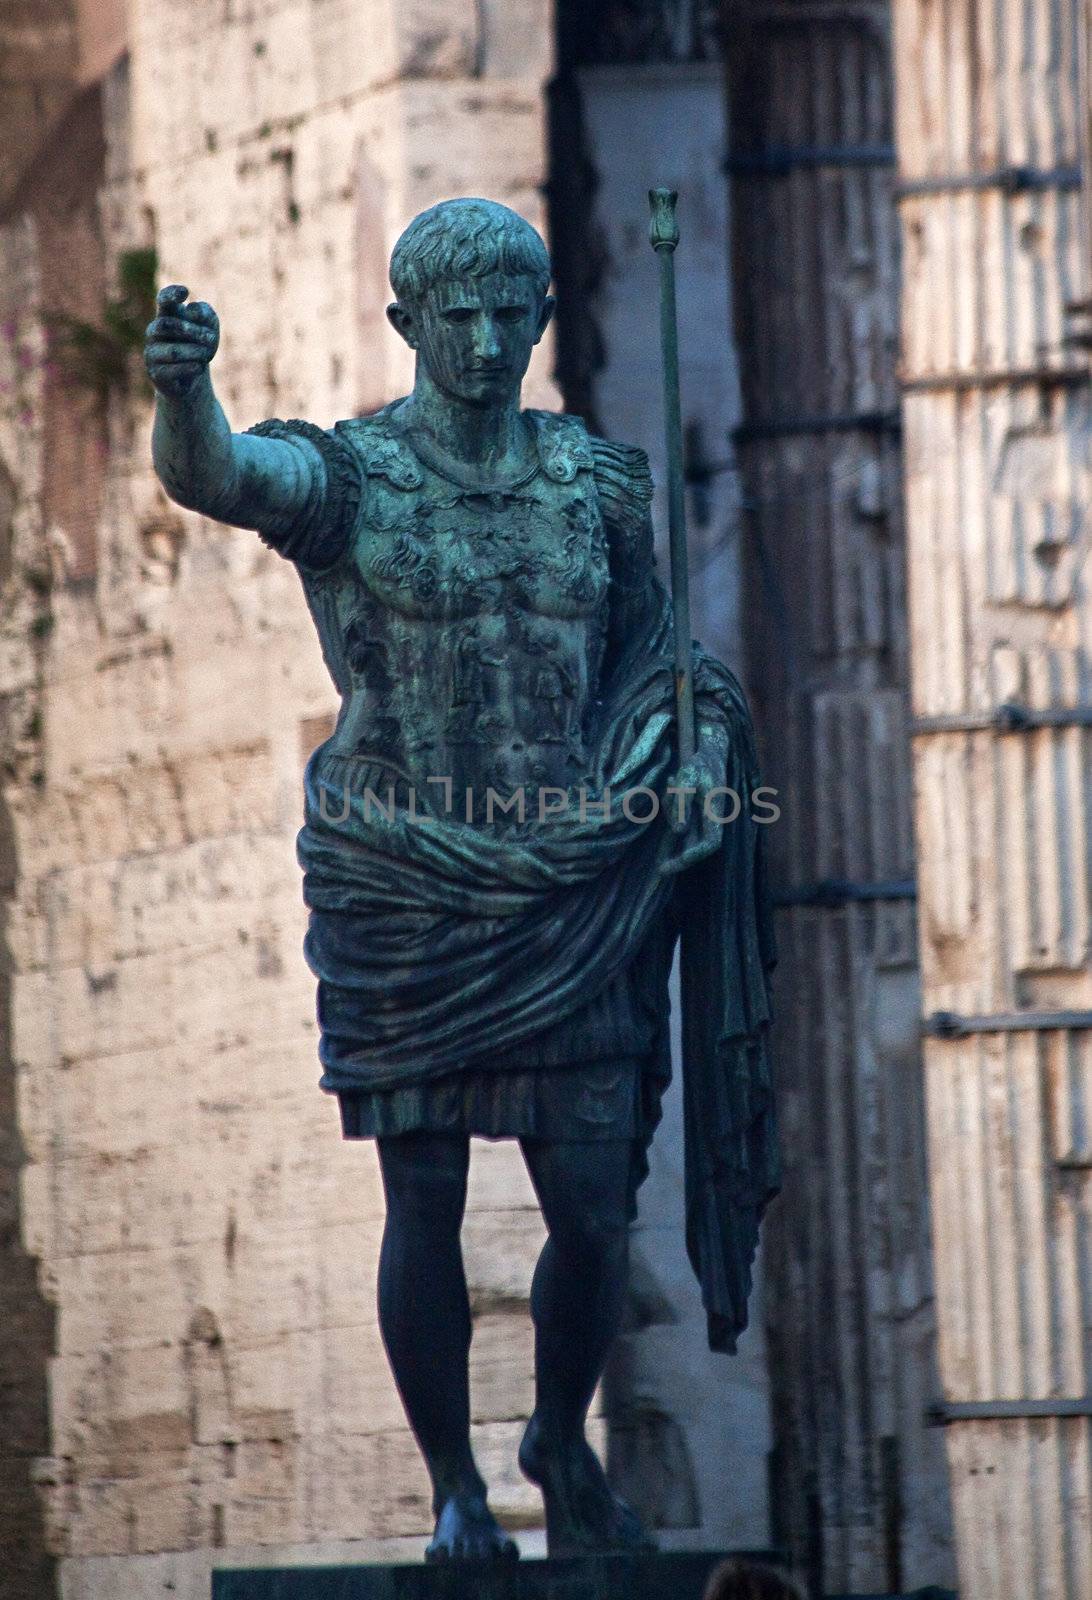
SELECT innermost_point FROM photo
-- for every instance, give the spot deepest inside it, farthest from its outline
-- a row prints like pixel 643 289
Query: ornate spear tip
pixel 664 231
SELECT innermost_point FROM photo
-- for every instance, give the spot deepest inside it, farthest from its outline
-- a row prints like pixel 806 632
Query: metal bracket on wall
pixel 1080 337
pixel 942 1412
pixel 994 378
pixel 700 472
pixel 831 894
pixel 950 1025
pixel 811 13
pixel 779 161
pixel 1008 718
pixel 835 422
pixel 1009 180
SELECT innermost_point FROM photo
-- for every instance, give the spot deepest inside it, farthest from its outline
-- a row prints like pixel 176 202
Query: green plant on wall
pixel 99 356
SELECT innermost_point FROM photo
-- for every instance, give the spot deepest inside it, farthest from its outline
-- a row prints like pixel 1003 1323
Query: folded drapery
pixel 437 943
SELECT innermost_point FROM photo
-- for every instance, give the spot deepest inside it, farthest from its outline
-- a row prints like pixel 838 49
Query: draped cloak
pixel 458 941
pixel 479 940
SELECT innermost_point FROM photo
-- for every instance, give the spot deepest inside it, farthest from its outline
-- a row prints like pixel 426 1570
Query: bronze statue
pixel 498 854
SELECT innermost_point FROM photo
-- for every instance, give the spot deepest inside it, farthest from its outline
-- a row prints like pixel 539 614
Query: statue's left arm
pixel 640 609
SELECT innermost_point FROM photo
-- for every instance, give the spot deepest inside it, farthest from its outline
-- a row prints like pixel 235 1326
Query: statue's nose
pixel 488 340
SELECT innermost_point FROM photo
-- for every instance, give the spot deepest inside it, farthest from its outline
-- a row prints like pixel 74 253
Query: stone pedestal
pixel 658 1577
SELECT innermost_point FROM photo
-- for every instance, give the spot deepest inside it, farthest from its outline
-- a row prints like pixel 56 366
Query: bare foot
pixel 466 1530
pixel 583 1514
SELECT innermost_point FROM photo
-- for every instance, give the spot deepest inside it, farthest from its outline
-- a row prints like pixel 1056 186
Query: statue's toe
pixel 466 1530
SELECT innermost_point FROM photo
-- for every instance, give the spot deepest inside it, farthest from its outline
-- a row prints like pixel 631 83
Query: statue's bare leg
pixel 424 1316
pixel 577 1299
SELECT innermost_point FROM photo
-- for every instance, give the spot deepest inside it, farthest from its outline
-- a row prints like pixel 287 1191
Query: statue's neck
pixel 486 437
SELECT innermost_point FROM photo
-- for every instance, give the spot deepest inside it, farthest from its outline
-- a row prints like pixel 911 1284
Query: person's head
pixel 751 1580
pixel 471 279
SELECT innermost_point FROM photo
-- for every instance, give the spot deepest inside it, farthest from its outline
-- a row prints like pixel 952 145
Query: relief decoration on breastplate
pixel 473 620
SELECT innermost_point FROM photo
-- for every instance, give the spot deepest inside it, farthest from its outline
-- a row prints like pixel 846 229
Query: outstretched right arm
pixel 240 478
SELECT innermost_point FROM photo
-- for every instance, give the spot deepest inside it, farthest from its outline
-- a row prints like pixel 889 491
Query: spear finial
pixel 664 234
pixel 664 228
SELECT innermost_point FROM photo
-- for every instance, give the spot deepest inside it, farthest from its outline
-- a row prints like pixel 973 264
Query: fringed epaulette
pixel 563 445
pixel 623 479
pixel 317 536
pixel 379 450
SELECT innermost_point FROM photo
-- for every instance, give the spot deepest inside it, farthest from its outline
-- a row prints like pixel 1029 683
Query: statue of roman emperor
pixel 498 850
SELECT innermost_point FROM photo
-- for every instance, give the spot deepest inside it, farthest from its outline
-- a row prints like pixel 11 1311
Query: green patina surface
pixel 492 925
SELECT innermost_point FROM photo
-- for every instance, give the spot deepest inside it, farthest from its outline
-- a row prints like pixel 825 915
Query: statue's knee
pixel 425 1186
pixel 596 1237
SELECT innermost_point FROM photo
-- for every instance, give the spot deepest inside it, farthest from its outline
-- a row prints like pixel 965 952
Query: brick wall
pixel 206 1242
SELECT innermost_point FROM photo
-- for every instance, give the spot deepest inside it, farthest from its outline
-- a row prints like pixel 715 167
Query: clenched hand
pixel 180 342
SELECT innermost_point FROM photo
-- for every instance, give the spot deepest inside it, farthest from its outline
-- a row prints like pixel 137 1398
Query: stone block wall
pixel 205 1243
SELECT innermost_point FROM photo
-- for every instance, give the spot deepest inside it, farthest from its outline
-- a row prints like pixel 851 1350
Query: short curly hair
pixel 466 239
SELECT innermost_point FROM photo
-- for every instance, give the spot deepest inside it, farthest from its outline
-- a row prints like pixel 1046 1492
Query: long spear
pixel 664 233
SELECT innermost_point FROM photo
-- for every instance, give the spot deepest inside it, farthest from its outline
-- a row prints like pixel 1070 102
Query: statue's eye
pixel 458 314
pixel 511 313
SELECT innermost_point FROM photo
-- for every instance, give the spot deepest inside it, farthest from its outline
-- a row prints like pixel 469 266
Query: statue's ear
pixel 403 322
pixel 546 316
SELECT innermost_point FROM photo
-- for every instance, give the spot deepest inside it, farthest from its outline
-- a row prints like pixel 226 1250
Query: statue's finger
pixel 676 822
pixel 705 837
pixel 171 297
pixel 200 312
pixel 160 350
pixel 677 803
pixel 178 328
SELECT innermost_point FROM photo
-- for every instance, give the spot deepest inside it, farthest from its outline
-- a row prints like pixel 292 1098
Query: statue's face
pixel 475 335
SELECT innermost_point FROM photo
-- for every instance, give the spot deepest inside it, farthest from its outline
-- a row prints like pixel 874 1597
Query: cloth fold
pixel 438 944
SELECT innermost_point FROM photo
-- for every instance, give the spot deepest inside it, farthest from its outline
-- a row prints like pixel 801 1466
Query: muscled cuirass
pixel 468 622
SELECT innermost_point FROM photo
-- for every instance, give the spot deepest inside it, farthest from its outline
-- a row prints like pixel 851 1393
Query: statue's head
pixel 471 279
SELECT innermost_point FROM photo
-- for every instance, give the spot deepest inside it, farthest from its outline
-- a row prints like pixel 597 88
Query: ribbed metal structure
pixel 858 1481
pixel 998 450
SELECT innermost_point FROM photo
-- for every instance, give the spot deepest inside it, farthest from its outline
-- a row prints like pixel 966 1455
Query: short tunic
pixel 587 1101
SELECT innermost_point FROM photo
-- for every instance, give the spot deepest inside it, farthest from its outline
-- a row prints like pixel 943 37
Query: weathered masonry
pixel 188 1319
pixel 859 1483
pixel 993 126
